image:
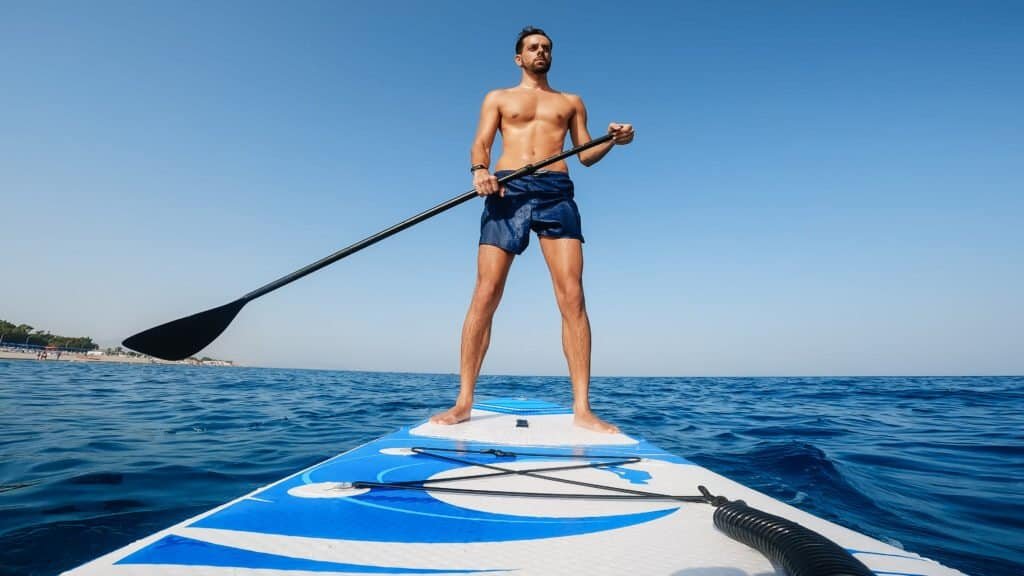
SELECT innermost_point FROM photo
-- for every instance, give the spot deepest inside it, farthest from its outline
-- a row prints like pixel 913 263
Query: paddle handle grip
pixel 442 207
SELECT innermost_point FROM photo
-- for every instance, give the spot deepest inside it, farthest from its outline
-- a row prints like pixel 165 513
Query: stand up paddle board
pixel 515 490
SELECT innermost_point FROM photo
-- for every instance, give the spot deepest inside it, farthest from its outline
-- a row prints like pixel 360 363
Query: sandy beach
pixel 11 354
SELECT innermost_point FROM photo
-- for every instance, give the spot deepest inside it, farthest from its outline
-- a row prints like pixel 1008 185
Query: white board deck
pixel 314 522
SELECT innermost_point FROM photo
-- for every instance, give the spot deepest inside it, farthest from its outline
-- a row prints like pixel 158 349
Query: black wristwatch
pixel 476 167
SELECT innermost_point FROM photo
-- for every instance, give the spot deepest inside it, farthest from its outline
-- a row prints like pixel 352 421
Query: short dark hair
pixel 530 31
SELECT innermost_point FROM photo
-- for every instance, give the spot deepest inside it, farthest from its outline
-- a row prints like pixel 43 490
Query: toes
pixel 447 419
pixel 597 425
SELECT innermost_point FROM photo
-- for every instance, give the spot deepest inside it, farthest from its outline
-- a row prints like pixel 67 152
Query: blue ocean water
pixel 94 456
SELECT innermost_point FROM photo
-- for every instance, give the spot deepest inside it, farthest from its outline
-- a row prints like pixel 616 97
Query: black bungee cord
pixel 798 550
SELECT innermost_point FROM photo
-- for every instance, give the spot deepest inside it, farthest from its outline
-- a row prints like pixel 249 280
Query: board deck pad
pixel 317 522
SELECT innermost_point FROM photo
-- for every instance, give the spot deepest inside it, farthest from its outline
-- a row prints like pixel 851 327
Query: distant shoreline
pixel 105 358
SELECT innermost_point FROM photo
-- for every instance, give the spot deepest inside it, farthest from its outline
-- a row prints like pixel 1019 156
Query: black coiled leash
pixel 798 550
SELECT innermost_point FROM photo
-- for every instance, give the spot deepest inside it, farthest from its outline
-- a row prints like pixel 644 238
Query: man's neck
pixel 532 81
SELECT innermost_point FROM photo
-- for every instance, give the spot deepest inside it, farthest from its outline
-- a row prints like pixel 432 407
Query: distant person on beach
pixel 533 119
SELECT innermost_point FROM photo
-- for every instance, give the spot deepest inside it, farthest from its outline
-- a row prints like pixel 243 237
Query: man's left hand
pixel 621 133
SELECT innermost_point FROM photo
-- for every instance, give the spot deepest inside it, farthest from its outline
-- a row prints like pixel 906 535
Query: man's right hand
pixel 487 183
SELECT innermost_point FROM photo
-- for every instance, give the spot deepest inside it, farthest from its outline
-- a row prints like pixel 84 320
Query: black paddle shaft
pixel 460 199
pixel 181 338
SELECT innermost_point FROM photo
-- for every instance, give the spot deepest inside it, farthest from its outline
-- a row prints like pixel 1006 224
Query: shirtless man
pixel 533 119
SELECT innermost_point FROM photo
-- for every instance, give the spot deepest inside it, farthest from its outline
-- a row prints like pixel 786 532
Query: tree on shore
pixel 118 351
pixel 25 334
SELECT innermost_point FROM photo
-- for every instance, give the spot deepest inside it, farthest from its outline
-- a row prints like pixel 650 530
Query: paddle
pixel 181 338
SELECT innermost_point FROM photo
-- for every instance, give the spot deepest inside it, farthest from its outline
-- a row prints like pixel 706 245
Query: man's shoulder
pixel 574 98
pixel 569 97
pixel 498 93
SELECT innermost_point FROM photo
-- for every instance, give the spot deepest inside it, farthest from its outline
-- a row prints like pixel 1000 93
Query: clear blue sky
pixel 815 187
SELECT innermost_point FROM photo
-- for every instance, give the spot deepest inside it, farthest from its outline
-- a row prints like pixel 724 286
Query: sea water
pixel 94 456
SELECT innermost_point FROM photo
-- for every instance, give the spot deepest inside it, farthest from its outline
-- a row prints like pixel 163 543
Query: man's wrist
pixel 476 167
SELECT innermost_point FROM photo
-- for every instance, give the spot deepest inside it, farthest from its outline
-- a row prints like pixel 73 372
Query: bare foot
pixel 453 416
pixel 590 421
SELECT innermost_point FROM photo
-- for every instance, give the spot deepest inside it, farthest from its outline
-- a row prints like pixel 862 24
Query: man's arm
pixel 623 134
pixel 480 153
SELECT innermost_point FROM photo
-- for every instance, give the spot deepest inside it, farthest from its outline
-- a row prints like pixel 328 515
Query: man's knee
pixel 488 292
pixel 571 301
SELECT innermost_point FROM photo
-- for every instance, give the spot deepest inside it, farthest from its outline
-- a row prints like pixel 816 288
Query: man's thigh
pixel 493 264
pixel 564 257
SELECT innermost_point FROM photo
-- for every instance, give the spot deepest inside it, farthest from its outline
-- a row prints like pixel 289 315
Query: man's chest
pixel 551 108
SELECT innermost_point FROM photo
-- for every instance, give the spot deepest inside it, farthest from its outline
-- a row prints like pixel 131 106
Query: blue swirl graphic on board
pixel 401 515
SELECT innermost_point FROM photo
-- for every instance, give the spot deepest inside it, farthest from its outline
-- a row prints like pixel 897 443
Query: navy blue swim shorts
pixel 542 202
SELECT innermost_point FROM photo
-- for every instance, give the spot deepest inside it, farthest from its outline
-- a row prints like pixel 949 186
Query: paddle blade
pixel 184 337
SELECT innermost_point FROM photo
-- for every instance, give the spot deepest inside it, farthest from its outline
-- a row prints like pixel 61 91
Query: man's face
pixel 535 55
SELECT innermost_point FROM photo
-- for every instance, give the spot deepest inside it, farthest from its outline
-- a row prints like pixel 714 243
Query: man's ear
pixel 518 60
